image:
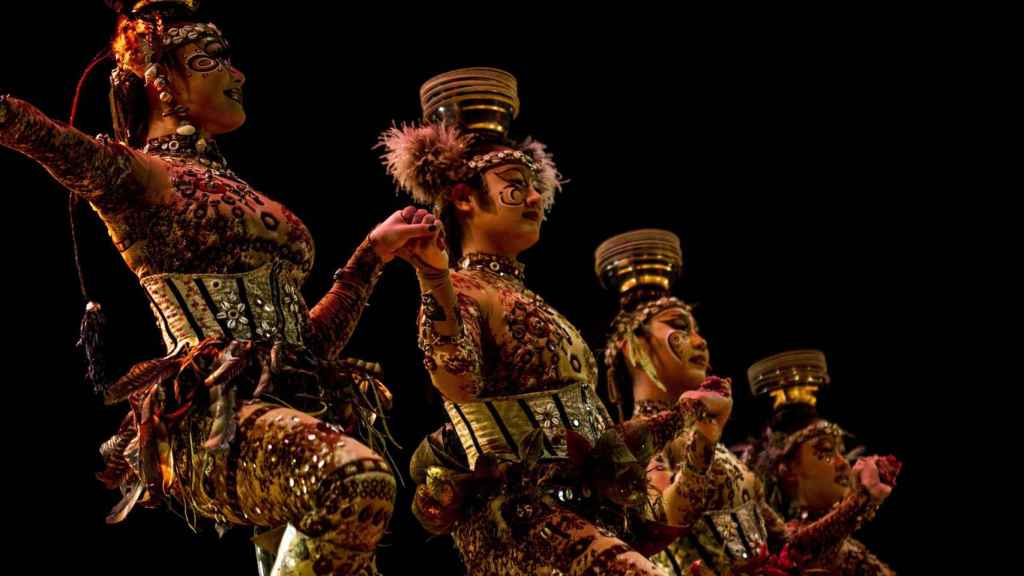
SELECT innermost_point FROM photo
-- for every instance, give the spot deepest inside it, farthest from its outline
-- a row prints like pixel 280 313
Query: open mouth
pixel 234 94
pixel 532 215
pixel 701 361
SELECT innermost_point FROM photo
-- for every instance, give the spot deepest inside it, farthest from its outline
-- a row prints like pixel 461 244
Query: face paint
pixel 677 342
pixel 823 449
pixel 680 331
pixel 680 354
pixel 201 62
pixel 510 215
pixel 211 54
pixel 212 87
pixel 823 471
pixel 515 187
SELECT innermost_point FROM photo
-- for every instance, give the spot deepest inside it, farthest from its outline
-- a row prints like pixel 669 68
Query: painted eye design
pixel 514 194
pixel 202 62
pixel 825 450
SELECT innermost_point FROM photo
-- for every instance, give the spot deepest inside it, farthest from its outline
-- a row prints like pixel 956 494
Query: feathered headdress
pixel 462 110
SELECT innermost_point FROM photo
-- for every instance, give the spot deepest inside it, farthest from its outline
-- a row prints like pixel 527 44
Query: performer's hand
pixel 401 228
pixel 877 475
pixel 425 253
pixel 709 406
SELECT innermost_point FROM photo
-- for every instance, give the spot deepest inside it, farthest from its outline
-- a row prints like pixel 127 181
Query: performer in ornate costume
pixel 655 352
pixel 248 419
pixel 800 457
pixel 531 476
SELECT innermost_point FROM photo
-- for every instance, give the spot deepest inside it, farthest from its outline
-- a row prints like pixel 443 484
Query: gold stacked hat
pixel 789 378
pixel 480 100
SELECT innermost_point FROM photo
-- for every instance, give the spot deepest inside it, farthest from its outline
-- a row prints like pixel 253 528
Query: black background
pixel 797 170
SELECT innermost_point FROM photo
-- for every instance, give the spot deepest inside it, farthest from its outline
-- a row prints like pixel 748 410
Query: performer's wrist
pixel 432 278
pixel 384 254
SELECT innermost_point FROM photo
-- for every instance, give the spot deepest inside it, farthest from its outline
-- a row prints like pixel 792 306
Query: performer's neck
pixel 480 244
pixel 165 126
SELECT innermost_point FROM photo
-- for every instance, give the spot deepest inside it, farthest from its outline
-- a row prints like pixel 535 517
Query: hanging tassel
pixel 90 338
pixel 90 341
